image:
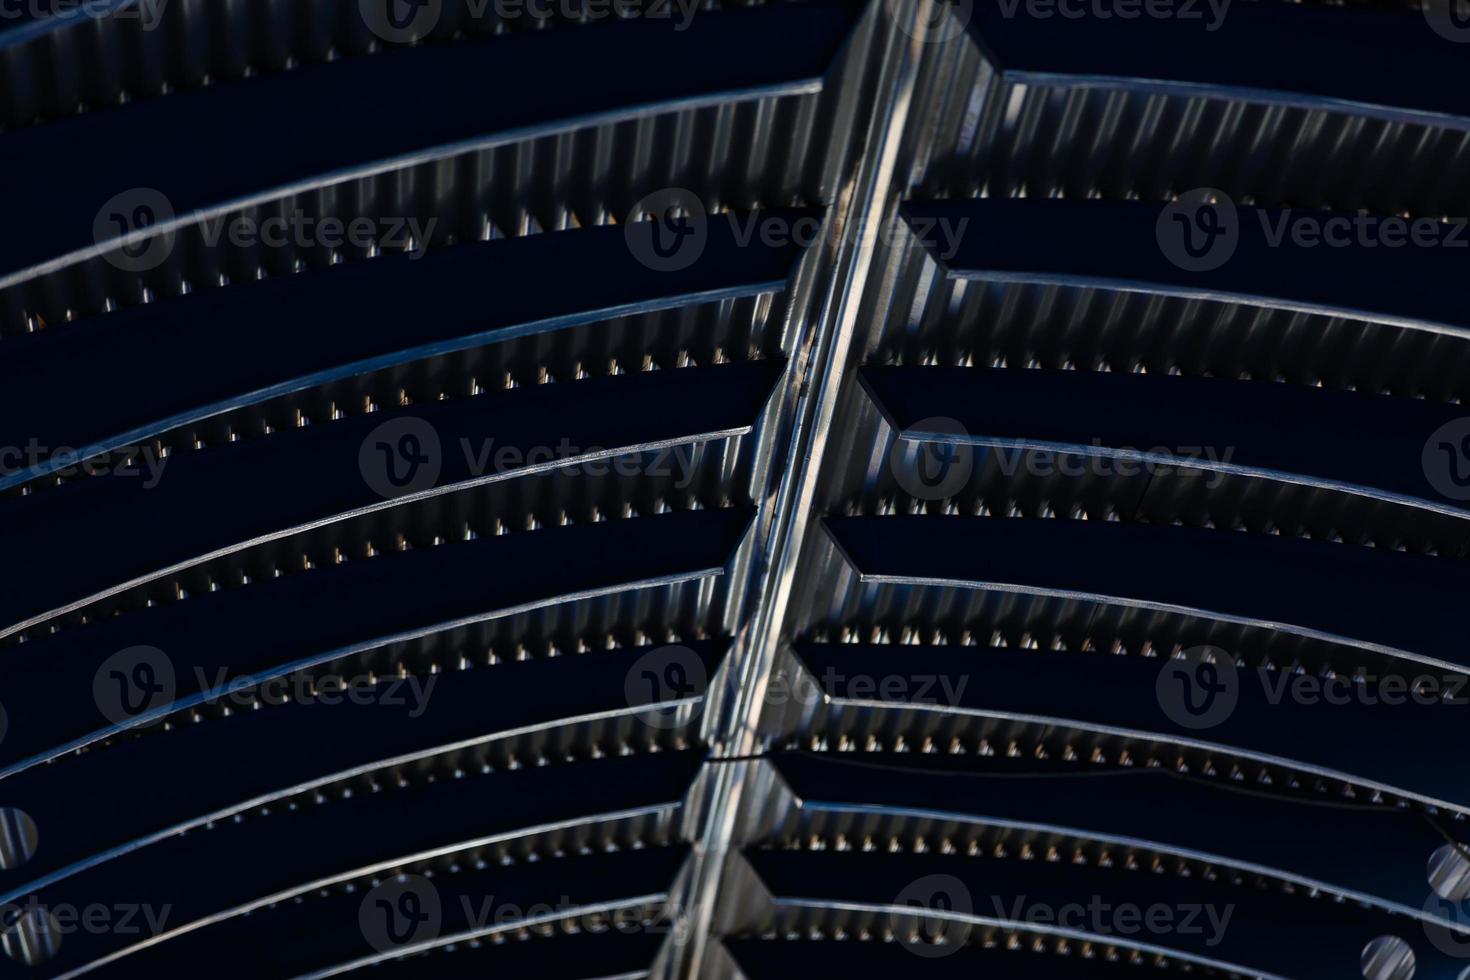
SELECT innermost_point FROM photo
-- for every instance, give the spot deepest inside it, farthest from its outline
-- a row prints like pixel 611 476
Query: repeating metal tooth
pixel 777 911
pixel 477 449
pixel 57 66
pixel 498 188
pixel 1062 136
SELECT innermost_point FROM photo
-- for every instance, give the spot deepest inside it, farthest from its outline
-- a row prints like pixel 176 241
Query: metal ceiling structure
pixel 745 490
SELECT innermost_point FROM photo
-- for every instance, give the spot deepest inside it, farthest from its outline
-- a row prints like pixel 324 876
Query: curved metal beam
pixel 1110 244
pixel 1412 750
pixel 359 117
pixel 1367 445
pixel 1396 605
pixel 74 390
pixel 210 503
pixel 215 644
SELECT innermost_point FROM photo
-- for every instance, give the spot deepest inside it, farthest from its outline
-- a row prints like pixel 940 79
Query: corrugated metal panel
pixel 733 491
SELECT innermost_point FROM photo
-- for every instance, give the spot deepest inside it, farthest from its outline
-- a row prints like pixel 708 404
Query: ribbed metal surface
pixel 931 568
pixel 523 733
pixel 955 763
